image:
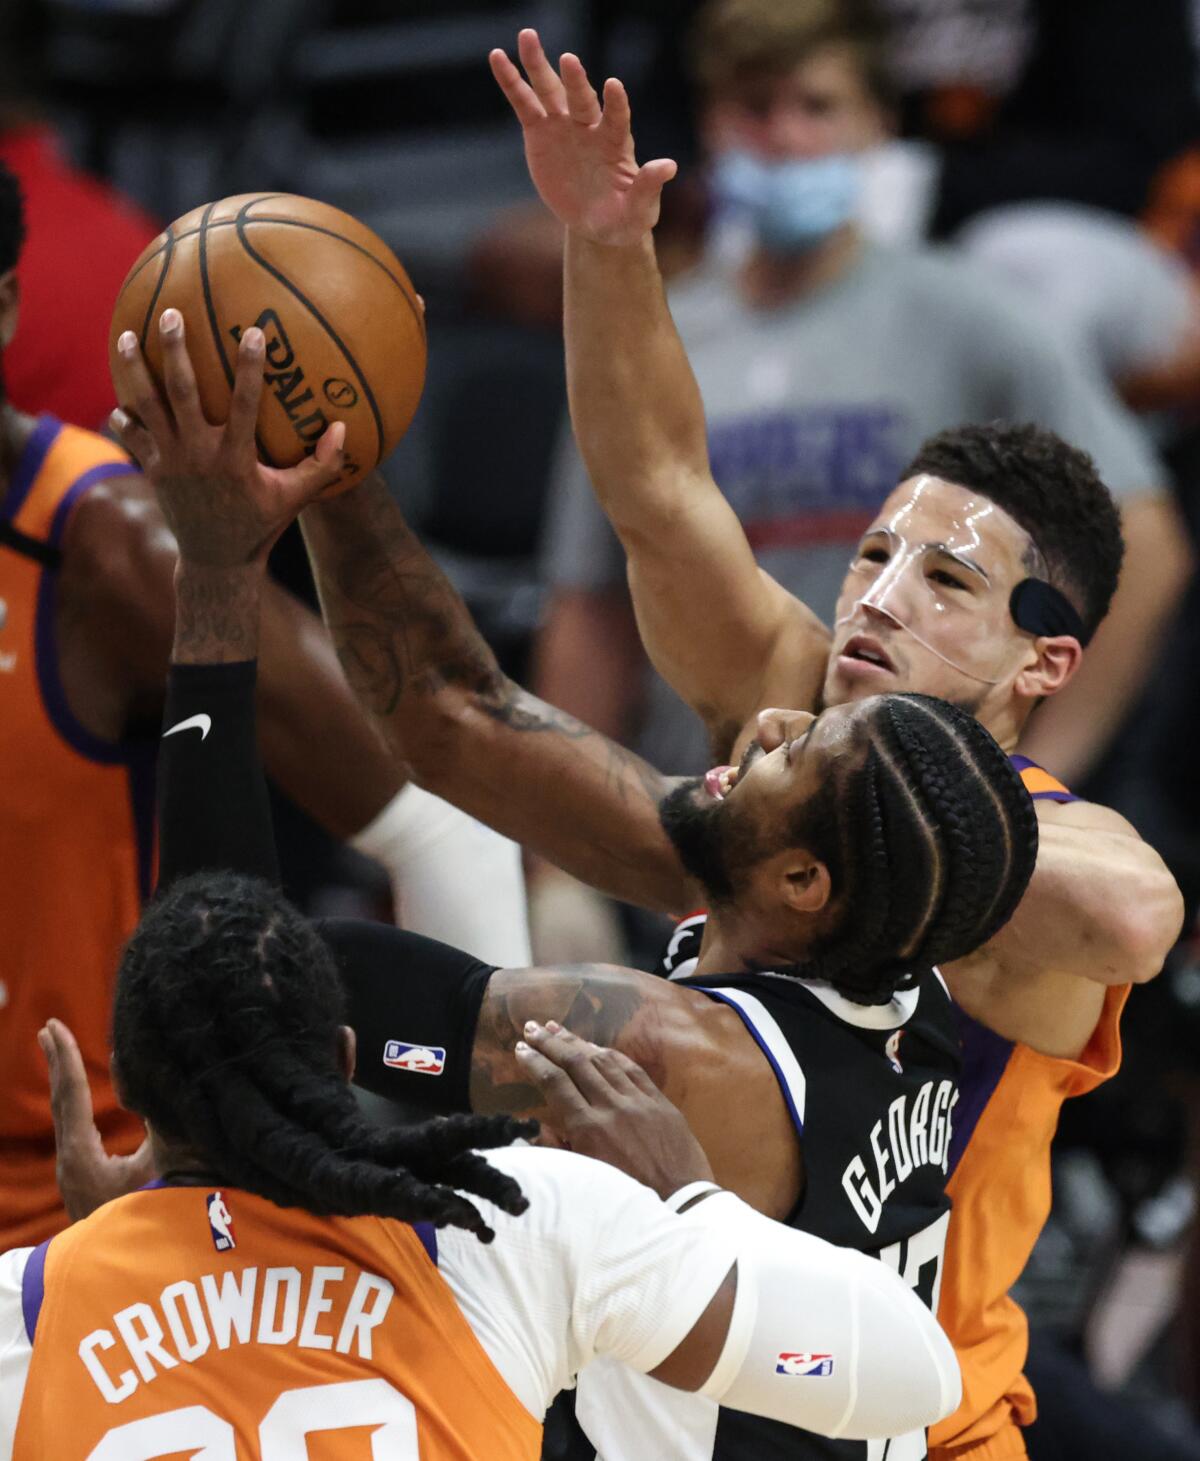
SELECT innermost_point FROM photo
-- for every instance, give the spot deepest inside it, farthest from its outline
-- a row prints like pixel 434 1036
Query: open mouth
pixel 720 781
pixel 865 650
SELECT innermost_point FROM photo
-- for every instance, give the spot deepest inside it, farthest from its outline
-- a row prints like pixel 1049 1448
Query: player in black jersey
pixel 840 869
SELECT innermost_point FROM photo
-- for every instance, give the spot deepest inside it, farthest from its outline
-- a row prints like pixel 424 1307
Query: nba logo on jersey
pixel 421 1059
pixel 220 1223
pixel 804 1364
pixel 892 1051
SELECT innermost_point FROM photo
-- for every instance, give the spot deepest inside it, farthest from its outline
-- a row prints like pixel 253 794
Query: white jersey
pixel 598 1265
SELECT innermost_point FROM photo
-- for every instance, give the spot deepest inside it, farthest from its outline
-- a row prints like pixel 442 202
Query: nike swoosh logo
pixel 202 723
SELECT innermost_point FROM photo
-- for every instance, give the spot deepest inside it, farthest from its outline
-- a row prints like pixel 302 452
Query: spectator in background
pixel 82 237
pixel 1039 99
pixel 823 362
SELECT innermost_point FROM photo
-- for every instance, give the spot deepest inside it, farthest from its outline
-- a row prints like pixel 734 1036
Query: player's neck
pixel 15 431
pixel 734 944
pixel 769 281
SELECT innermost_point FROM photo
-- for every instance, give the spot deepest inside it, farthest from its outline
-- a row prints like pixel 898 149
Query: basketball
pixel 345 331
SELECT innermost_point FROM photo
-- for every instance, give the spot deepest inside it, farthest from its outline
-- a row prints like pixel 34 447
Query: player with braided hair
pixel 757 1046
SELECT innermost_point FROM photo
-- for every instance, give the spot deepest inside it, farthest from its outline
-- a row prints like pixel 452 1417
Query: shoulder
pixel 118 540
pixel 1085 816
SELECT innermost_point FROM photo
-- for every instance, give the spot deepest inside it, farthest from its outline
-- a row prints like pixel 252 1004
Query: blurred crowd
pixel 1022 178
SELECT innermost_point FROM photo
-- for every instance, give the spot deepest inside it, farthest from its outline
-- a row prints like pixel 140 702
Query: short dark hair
pixel 1052 490
pixel 930 841
pixel 225 1039
pixel 733 41
pixel 12 220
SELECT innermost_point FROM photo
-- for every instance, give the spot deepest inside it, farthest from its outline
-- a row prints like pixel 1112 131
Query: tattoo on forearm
pixel 598 1003
pixel 402 630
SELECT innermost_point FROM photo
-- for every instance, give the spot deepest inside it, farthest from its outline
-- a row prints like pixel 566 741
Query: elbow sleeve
pixel 826 1338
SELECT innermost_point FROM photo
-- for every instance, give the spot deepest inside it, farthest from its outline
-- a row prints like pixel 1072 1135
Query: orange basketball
pixel 345 332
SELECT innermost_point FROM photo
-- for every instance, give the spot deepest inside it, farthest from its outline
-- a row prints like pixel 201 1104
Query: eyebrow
pixel 957 557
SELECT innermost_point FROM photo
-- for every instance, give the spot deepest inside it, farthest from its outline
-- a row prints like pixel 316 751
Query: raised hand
pixel 580 154
pixel 225 508
pixel 87 1175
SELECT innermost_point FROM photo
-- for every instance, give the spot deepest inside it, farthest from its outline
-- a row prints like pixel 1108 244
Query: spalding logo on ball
pixel 345 332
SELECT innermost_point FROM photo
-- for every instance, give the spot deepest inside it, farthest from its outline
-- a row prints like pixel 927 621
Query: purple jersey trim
pixel 762 1045
pixel 1023 763
pixel 428 1236
pixel 985 1058
pixel 29 465
pixel 33 1288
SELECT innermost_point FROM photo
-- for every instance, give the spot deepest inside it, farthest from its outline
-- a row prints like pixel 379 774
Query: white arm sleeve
pixel 452 878
pixel 15 1349
pixel 825 1338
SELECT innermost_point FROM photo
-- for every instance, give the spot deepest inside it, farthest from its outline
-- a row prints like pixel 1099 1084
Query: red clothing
pixel 81 239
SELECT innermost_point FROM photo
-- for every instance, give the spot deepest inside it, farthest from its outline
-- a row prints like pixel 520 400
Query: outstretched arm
pixel 424 672
pixel 714 624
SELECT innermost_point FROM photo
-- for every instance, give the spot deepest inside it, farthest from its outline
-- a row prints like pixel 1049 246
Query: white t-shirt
pixel 598 1266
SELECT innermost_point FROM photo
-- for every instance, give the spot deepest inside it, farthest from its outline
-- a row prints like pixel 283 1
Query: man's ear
pixel 804 882
pixel 1056 660
pixel 9 307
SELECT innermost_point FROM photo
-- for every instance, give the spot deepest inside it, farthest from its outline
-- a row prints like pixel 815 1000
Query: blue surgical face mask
pixel 790 205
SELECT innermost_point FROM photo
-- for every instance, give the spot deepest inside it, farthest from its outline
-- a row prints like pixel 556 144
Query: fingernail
pixel 171 322
pixel 522 1048
pixel 252 341
pixel 339 435
pixel 531 1027
pixel 118 419
pixel 554 1027
pixel 127 344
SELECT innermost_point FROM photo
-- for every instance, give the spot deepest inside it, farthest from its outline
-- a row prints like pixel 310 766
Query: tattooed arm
pixel 418 663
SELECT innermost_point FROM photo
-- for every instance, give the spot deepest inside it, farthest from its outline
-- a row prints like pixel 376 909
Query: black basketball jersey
pixel 871 1089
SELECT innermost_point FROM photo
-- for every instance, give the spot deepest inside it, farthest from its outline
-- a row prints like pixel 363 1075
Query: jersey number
pixel 918 1261
pixel 282 1436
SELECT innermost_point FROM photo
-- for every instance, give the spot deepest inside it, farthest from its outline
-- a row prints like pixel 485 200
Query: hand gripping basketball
pixel 344 329
pixel 225 508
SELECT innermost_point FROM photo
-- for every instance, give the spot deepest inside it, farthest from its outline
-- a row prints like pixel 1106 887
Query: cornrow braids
pixel 225 1032
pixel 937 838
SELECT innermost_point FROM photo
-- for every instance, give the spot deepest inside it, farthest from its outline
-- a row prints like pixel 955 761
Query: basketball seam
pixel 325 325
pixel 168 251
pixel 409 299
pixel 214 324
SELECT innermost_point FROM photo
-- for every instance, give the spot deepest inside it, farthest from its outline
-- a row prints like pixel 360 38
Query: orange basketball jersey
pixel 180 1320
pixel 999 1185
pixel 76 835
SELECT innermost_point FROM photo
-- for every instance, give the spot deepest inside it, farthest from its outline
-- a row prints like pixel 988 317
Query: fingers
pixel 136 440
pixel 309 478
pixel 635 1075
pixel 564 1101
pixel 178 376
pixel 652 177
pixel 137 392
pixel 70 1095
pixel 616 120
pixel 582 102
pixel 520 94
pixel 542 76
pixel 246 397
pixel 590 1067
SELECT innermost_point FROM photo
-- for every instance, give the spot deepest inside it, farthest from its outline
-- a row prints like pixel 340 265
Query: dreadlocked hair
pixel 225 1037
pixel 930 839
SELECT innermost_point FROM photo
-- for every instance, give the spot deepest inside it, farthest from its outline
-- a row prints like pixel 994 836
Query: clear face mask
pixel 939 585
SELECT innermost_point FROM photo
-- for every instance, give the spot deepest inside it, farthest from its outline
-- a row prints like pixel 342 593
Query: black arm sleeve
pixel 213 810
pixel 413 1004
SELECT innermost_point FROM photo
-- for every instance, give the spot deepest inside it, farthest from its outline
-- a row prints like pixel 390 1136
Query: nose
pixel 776 726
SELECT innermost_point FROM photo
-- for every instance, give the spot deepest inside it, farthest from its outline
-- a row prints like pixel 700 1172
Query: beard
pixel 699 834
